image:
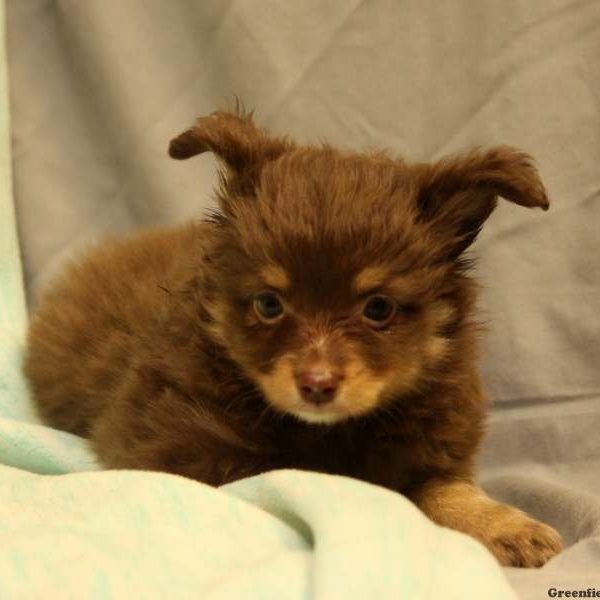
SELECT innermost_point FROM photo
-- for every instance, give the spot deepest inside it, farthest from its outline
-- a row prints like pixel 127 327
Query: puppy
pixel 322 319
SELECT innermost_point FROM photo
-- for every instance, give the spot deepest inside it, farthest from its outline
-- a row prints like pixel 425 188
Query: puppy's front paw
pixel 515 539
pixel 519 541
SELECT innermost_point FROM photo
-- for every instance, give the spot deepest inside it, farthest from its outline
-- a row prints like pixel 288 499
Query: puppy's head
pixel 336 279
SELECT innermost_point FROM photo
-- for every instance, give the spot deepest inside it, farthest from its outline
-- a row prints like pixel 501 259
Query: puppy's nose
pixel 318 386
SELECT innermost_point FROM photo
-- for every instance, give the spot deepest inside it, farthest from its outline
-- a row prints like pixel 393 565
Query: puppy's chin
pixel 320 415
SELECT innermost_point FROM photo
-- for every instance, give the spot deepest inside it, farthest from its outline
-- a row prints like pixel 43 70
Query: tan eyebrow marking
pixel 275 277
pixel 369 278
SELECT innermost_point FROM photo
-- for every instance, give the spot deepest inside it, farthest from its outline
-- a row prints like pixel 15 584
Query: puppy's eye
pixel 268 306
pixel 379 310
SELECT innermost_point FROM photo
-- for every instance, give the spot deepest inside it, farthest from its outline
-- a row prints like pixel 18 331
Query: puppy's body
pixel 321 321
pixel 119 352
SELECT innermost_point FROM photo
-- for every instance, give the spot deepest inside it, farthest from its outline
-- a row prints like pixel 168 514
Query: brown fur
pixel 153 347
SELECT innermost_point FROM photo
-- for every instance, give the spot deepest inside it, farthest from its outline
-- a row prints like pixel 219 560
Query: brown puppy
pixel 322 319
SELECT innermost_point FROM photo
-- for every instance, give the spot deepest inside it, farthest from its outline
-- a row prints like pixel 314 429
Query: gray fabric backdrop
pixel 99 87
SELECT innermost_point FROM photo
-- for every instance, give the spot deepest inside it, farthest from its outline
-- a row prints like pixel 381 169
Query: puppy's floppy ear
pixel 235 140
pixel 457 194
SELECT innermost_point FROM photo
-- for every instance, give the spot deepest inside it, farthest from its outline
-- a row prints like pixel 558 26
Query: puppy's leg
pixel 514 538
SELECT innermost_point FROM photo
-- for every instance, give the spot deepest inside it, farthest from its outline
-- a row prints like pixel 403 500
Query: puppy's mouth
pixel 336 411
pixel 319 414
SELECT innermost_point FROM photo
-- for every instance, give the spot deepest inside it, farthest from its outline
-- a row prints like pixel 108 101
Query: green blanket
pixel 68 530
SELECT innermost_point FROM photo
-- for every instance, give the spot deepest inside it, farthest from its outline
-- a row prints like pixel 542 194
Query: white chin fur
pixel 321 418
